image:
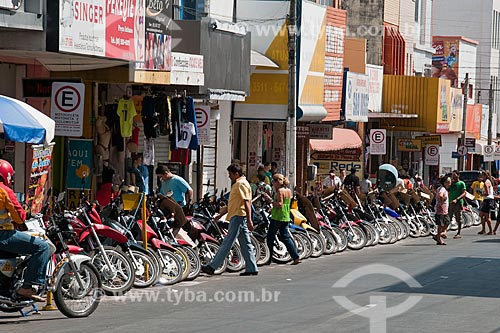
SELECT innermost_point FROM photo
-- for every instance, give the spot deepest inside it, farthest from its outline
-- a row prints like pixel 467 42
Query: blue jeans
pixel 284 236
pixel 23 244
pixel 237 228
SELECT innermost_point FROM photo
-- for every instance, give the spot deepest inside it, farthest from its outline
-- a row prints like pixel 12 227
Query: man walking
pixel 457 193
pixel 239 214
pixel 332 180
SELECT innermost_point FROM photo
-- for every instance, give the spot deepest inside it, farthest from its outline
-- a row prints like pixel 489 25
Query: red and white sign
pixel 378 142
pixel 432 155
pixel 203 123
pixel 113 29
pixel 67 108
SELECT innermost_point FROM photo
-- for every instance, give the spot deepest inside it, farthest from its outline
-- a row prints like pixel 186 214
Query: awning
pixel 479 149
pixel 258 59
pixel 311 112
pixel 343 138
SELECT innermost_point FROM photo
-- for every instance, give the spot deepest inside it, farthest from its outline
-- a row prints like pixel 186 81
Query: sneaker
pixel 30 293
pixel 296 262
pixel 207 269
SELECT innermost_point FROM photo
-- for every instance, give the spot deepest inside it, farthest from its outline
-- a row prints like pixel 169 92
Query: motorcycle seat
pixel 7 255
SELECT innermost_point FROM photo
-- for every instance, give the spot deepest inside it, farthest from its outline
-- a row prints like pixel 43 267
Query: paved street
pixel 460 292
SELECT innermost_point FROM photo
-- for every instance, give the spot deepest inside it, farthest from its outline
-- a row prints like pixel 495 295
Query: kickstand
pixel 34 310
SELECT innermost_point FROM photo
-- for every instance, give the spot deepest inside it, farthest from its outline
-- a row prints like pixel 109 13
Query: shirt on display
pixel 126 112
pixel 186 131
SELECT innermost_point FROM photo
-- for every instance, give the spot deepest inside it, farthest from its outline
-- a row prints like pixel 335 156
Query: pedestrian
pixel 260 171
pixel 457 193
pixel 488 204
pixel 175 184
pixel 261 185
pixel 274 168
pixel 239 214
pixel 332 180
pixel 477 188
pixel 136 173
pixel 280 217
pixel 342 174
pixel 441 209
pixel 267 172
pixel 351 182
pixel 365 184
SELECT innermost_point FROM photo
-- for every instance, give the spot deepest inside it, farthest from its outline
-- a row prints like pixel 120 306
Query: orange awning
pixel 343 138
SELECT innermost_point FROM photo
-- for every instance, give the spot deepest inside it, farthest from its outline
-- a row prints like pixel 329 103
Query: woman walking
pixel 280 217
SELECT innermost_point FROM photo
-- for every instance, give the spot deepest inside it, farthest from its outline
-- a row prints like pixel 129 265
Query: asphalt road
pixel 455 287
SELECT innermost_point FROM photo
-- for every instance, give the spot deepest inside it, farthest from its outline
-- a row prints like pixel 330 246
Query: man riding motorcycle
pixel 18 242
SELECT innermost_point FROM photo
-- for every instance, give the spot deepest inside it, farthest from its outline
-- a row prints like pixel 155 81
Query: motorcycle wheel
pixel 207 252
pixel 68 297
pixel 385 232
pixel 256 245
pixel 121 280
pixel 172 267
pixel 143 263
pixel 356 237
pixel 306 241
pixel 341 239
pixel 234 259
pixel 186 264
pixel 330 241
pixel 280 253
pixel 426 229
pixel 264 254
pixel 318 244
pixel 194 260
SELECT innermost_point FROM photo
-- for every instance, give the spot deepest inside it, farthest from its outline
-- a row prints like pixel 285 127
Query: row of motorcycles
pixel 100 250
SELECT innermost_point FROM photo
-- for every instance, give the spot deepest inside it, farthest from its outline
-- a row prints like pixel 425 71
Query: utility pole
pixel 490 118
pixel 292 106
pixel 461 161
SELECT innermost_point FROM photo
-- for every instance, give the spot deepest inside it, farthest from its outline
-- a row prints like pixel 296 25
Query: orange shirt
pixel 10 208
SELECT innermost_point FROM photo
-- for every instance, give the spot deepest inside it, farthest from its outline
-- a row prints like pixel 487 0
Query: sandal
pixel 489 233
pixel 481 233
pixel 444 236
pixel 457 236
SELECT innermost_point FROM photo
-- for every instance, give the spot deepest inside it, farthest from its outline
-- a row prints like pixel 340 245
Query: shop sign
pixel 321 131
pixel 356 97
pixel 344 154
pixel 42 87
pixel 67 103
pixel 39 175
pixel 457 102
pixel 430 140
pixel 112 29
pixel 79 157
pixel 409 145
pixel 376 82
pixel 10 4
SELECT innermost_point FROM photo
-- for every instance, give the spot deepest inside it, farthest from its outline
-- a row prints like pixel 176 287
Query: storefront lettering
pixel 360 101
pixel 78 153
pixel 88 12
pixel 123 8
pixel 155 7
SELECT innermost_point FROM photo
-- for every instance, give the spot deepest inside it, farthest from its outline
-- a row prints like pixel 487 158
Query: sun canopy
pixel 21 122
pixel 343 138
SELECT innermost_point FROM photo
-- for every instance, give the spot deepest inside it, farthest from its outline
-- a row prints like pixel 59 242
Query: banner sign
pixel 79 163
pixel 40 169
pixel 113 29
pixel 430 140
pixel 409 145
pixel 321 131
pixel 356 97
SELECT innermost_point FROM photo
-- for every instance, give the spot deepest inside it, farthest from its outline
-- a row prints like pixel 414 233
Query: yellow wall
pixel 355 55
pixel 414 95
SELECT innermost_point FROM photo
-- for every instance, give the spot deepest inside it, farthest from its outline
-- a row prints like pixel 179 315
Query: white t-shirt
pixel 186 131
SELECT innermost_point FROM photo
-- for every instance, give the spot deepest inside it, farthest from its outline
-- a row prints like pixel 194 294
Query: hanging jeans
pixel 284 236
pixel 237 229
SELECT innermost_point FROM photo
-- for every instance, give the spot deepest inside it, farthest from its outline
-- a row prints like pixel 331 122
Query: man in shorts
pixel 457 193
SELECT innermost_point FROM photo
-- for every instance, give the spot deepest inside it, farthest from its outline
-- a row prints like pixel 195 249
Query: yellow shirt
pixel 240 192
pixel 477 189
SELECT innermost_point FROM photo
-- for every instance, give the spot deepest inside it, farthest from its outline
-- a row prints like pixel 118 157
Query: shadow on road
pixel 490 240
pixel 461 276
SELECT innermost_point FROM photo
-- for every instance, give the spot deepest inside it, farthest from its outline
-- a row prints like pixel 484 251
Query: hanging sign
pixel 430 140
pixel 40 168
pixel 409 145
pixel 79 159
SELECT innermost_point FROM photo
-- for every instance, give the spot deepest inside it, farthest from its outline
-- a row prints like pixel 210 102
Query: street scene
pixel 249 165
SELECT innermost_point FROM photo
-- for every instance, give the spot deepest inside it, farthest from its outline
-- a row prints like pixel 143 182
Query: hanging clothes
pixel 185 134
pixel 180 155
pixel 191 117
pixel 149 117
pixel 113 122
pixel 126 112
pixel 148 156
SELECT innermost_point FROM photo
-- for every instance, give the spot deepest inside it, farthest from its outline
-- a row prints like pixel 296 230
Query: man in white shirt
pixel 332 180
pixel 365 184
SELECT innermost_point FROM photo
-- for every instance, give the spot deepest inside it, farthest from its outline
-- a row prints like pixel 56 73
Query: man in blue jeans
pixel 17 242
pixel 239 214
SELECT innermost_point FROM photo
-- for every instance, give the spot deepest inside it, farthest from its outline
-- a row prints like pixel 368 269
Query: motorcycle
pixel 74 280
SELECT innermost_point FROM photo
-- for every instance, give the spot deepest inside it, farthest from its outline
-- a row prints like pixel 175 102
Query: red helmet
pixel 6 172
